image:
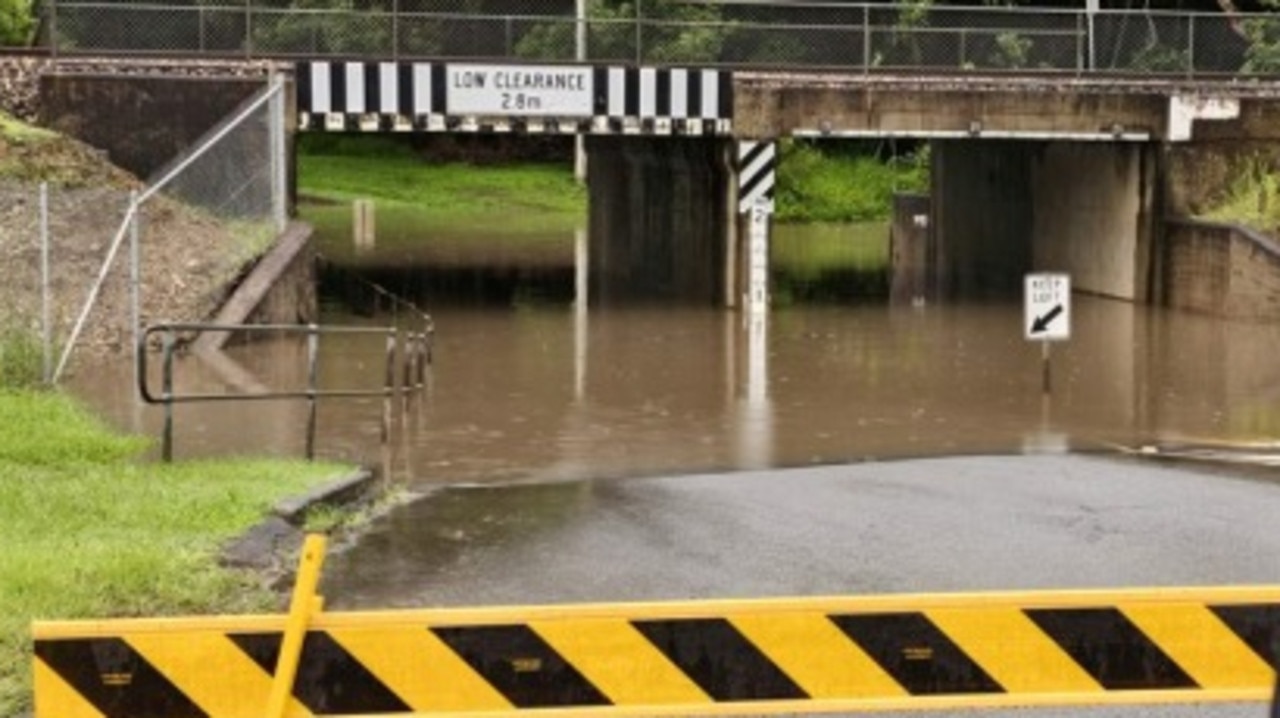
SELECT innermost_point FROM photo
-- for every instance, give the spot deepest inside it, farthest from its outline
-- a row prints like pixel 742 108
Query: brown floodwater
pixel 549 393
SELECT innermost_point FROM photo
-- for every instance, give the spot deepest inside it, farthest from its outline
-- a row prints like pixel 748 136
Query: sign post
pixel 758 257
pixel 1091 8
pixel 1046 314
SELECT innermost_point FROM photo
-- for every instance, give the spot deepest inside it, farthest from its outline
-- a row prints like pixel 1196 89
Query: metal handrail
pixel 428 333
pixel 416 353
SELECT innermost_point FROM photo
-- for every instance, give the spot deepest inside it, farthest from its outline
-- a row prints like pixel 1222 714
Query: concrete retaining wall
pixel 1005 208
pixel 292 297
pixel 1220 269
pixel 20 88
pixel 141 112
pixel 141 122
pixel 280 289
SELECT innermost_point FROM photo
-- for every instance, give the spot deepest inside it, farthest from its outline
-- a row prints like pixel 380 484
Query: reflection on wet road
pixel 923 526
pixel 938 525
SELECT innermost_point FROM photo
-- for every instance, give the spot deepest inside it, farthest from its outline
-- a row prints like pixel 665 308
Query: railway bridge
pixel 1079 142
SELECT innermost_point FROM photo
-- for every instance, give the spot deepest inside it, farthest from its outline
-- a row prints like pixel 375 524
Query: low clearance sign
pixel 525 91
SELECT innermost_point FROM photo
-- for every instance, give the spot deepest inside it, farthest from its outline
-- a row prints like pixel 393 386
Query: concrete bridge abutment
pixel 1002 208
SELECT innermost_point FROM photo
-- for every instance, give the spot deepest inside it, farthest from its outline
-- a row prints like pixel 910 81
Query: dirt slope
pixel 187 257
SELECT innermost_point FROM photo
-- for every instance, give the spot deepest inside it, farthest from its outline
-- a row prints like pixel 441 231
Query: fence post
pixel 166 394
pixel 392 340
pixel 1092 29
pixel 248 29
pixel 420 362
pixel 279 162
pixel 580 34
pixel 639 34
pixel 1191 47
pixel 53 28
pixel 1081 40
pixel 408 352
pixel 313 373
pixel 46 303
pixel 866 39
pixel 580 54
pixel 135 272
pixel 116 241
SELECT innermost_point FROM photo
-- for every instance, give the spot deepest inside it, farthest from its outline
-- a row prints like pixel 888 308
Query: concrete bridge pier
pixel 661 221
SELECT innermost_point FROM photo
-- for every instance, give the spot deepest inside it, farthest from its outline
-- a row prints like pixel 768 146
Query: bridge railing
pixel 844 36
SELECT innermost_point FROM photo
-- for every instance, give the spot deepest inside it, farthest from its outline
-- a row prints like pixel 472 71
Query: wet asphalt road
pixel 962 524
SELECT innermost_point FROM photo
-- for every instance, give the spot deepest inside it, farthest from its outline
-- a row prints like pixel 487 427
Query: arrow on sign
pixel 1042 323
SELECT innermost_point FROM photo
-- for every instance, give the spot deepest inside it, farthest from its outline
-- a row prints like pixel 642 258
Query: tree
pixel 1263 33
pixel 633 30
pixel 17 22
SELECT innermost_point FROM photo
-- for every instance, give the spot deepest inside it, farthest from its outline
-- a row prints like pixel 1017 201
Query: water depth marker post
pixel 1046 315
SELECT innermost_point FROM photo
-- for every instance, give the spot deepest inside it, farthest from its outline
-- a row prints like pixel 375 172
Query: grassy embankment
pixel 848 194
pixel 1253 199
pixel 87 529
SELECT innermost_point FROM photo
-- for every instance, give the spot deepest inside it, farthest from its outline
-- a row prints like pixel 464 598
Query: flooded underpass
pixel 547 393
pixel 529 446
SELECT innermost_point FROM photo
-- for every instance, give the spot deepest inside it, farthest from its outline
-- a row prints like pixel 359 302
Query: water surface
pixel 547 392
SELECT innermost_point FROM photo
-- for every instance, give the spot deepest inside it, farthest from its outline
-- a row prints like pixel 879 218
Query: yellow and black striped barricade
pixel 679 658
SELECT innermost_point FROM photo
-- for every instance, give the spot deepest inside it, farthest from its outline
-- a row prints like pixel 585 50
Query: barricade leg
pixel 302 607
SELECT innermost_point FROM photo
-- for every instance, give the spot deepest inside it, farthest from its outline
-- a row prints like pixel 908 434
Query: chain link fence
pixel 54 239
pixel 186 233
pixel 850 36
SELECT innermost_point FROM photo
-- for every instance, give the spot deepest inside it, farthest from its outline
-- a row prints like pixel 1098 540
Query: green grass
pixel 89 532
pixel 822 186
pixel 443 195
pixel 11 129
pixel 1253 199
pixel 21 358
pixel 816 183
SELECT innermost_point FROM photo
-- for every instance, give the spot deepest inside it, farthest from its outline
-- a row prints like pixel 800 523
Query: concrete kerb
pixel 342 492
pixel 270 547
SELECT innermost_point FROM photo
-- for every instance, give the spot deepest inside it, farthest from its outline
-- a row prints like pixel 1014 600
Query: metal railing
pixel 415 350
pixel 857 36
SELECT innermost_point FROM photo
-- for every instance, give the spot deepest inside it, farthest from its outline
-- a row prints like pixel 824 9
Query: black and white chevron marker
pixel 422 97
pixel 757 165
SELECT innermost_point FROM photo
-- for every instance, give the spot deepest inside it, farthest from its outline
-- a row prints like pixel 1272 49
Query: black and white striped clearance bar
pixel 471 97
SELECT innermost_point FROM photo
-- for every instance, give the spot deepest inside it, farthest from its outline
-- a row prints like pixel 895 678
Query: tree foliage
pixel 17 22
pixel 1263 34
pixel 637 30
